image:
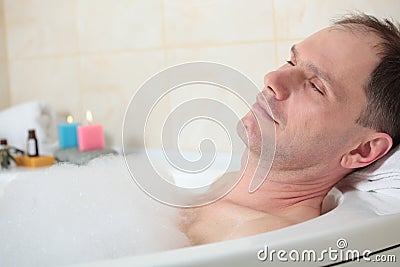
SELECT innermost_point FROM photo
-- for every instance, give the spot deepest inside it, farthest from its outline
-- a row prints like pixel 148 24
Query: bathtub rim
pixel 326 230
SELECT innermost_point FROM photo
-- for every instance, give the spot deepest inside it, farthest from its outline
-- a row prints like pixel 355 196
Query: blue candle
pixel 67 133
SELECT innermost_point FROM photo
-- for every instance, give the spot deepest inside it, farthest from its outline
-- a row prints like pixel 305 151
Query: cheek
pixel 305 124
pixel 324 132
pixel 258 135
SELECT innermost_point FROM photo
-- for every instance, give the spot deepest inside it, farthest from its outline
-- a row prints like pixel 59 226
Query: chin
pixel 248 130
pixel 241 131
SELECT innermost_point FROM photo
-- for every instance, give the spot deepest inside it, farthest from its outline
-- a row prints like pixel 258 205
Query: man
pixel 336 107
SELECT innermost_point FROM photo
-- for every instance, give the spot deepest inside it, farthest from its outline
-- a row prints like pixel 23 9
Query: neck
pixel 283 190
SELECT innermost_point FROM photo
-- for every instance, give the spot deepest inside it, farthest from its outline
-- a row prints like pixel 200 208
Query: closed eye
pixel 290 62
pixel 316 88
pixel 313 85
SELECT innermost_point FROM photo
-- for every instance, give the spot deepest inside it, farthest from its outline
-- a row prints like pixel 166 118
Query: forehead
pixel 349 57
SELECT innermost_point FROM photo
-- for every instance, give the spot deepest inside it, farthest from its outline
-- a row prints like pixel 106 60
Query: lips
pixel 262 106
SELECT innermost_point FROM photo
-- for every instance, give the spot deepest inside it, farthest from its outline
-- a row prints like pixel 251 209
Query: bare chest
pixel 225 220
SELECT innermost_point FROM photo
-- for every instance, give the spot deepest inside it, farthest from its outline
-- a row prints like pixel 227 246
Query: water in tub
pixel 69 214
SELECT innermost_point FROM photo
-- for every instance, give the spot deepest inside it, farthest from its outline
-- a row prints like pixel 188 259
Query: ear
pixel 367 152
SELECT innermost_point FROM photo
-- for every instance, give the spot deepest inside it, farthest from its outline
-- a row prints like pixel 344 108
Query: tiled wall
pixel 4 89
pixel 86 54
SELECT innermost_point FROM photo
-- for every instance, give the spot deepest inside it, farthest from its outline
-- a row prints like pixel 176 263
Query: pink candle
pixel 90 137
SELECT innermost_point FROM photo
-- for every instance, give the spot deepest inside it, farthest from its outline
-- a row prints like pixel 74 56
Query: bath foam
pixel 68 214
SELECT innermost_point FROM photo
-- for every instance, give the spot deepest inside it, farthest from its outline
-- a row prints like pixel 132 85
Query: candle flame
pixel 89 116
pixel 70 119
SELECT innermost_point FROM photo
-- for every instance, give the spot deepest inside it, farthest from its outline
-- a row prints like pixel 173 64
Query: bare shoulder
pixel 226 220
pixel 264 223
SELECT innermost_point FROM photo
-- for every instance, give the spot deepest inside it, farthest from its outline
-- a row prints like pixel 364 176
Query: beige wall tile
pixel 110 81
pixel 53 80
pixel 118 25
pixel 122 72
pixel 77 55
pixel 208 21
pixel 300 18
pixel 2 32
pixel 4 92
pixel 144 119
pixel 253 60
pixel 215 111
pixel 40 27
pixel 154 122
pixel 108 109
pixel 379 8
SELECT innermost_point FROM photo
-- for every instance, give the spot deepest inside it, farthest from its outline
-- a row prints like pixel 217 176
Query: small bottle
pixel 32 144
pixel 3 143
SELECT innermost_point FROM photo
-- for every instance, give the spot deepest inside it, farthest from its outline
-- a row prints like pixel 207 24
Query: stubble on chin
pixel 249 132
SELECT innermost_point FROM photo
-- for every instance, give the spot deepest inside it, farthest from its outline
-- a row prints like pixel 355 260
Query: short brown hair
pixel 382 88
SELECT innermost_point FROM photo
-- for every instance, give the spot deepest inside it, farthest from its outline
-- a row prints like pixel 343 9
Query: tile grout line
pixel 164 48
pixel 136 50
pixel 163 32
pixel 7 57
pixel 275 32
pixel 78 62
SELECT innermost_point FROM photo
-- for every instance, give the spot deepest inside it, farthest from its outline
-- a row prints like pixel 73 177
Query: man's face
pixel 316 99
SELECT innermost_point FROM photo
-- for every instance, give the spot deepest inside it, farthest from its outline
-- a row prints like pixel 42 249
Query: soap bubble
pixel 74 214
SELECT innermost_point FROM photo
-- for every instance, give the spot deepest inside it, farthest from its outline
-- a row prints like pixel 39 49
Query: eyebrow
pixel 315 69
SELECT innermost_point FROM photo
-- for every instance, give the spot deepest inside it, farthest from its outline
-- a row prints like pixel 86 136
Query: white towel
pixel 17 120
pixel 382 178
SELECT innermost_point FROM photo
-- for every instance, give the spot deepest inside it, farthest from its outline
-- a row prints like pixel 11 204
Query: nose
pixel 282 82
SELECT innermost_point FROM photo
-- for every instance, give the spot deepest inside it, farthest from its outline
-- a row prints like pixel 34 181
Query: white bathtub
pixel 350 220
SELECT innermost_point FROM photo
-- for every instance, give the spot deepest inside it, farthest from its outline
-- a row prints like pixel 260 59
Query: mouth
pixel 261 107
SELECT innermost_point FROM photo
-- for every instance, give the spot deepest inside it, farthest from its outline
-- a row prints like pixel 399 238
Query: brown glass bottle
pixel 32 144
pixel 3 143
